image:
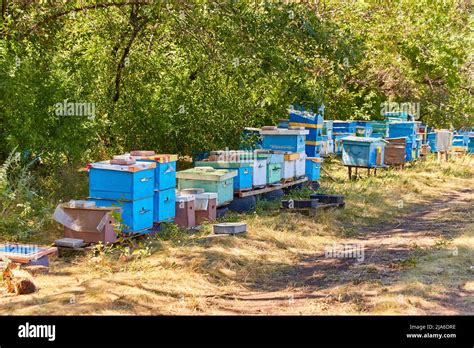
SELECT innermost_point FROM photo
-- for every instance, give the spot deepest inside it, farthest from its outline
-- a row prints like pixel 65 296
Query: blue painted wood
pixel 164 205
pixel 360 151
pixel 125 185
pixel 431 139
pixel 313 168
pixel 136 215
pixel 244 178
pixel 401 129
pixel 290 143
pixel 344 127
pixel 313 150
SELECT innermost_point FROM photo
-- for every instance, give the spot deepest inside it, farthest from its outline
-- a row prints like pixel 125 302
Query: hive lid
pixel 185 198
pixel 142 153
pixel 207 195
pixel 206 173
pixel 138 166
pixel 364 139
pixel 191 191
pixel 284 131
pixel 224 164
pixel 160 158
pixel 125 159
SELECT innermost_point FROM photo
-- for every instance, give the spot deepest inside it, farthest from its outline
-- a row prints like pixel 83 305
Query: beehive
pixel 363 152
pixel 244 178
pixel 220 181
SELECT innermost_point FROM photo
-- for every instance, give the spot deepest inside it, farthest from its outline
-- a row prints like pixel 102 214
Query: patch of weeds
pixel 264 207
pixel 410 262
pixel 24 212
pixel 172 232
pixel 300 193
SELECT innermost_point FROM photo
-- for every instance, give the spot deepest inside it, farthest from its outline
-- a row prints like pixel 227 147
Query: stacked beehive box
pixel 285 149
pixel 129 187
pixel 395 151
pixel 364 129
pixel 407 130
pixel 363 152
pixel 431 140
pixel 313 123
pixel 379 129
pixel 327 147
pixel 220 181
pixel 342 129
pixel 251 171
pixel 164 186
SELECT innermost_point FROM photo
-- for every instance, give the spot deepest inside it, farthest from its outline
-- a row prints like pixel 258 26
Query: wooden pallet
pixel 237 192
pixel 271 188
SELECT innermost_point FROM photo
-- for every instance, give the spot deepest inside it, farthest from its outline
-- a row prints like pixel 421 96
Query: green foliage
pixel 186 77
pixel 23 210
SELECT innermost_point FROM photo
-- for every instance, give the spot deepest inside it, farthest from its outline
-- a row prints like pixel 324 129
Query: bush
pixel 23 210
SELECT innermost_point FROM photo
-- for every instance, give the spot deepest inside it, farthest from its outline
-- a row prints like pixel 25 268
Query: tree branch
pixel 89 7
pixel 125 53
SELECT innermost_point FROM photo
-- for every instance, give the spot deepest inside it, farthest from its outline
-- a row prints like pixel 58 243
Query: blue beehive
pixel 165 171
pixel 460 140
pixel 379 129
pixel 344 127
pixel 136 215
pixel 402 116
pixel 418 148
pixel 290 140
pixel 401 129
pixel 409 148
pixel 313 150
pixel 313 168
pixel 126 182
pixel 470 146
pixel 431 139
pixel 364 129
pixel 363 152
pixel 244 178
pixel 309 120
pixel 338 142
pixel 164 205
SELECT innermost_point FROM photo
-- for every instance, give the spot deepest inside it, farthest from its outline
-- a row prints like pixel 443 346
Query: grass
pixel 179 272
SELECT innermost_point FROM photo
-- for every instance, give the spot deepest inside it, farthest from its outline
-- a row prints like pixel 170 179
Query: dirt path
pixel 322 285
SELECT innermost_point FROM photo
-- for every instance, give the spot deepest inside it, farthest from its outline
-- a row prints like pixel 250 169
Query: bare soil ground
pixel 317 278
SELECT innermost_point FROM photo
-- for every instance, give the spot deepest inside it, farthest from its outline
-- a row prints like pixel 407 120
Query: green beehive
pixel 274 164
pixel 220 181
pixel 274 173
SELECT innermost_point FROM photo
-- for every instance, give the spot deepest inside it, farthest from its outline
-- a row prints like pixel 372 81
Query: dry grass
pixel 192 274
